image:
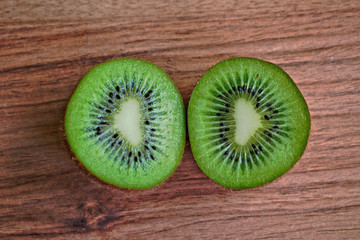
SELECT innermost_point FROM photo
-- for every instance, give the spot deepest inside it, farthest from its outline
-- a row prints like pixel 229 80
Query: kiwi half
pixel 125 123
pixel 248 123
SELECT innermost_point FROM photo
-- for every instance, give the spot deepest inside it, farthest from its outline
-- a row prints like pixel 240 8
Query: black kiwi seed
pixel 239 88
pixel 147 122
pixel 258 99
pixel 115 135
pixel 152 157
pixel 110 101
pixel 244 88
pixel 98 128
pixel 153 147
pixel 108 110
pixel 257 105
pixel 150 109
pixel 139 154
pixel 148 93
pixel 222 135
pixel 130 153
pixel 111 95
pixel 260 148
pixel 268 133
pixel 118 96
pixel 222 124
pixel 275 127
pixel 267 117
pixel 275 111
pixel 220 96
pixel 135 159
pixel 251 152
pixel 249 90
pixel 218 114
pixel 260 91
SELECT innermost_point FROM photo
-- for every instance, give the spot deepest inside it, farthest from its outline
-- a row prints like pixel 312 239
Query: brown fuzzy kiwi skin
pixel 261 186
pixel 93 178
pixel 98 182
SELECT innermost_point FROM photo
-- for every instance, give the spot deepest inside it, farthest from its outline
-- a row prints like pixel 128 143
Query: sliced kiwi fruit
pixel 126 123
pixel 248 123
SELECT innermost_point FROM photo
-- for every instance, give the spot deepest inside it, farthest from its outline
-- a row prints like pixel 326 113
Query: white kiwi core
pixel 127 121
pixel 247 121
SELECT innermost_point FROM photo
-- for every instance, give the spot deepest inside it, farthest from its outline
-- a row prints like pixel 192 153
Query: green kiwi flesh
pixel 248 123
pixel 126 124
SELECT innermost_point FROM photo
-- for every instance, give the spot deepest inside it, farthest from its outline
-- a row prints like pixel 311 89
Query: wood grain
pixel 47 46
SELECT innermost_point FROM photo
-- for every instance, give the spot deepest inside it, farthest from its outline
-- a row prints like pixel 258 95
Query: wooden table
pixel 46 47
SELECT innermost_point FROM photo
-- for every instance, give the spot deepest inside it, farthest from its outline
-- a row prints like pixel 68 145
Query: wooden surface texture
pixel 46 47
